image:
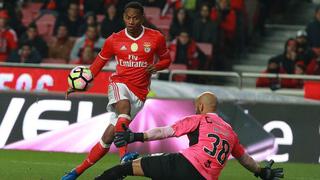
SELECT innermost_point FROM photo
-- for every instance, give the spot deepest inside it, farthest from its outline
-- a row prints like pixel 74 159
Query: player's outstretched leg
pixel 96 153
pixel 122 119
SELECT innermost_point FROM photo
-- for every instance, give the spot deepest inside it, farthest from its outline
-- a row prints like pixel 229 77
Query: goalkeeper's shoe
pixel 130 156
pixel 72 175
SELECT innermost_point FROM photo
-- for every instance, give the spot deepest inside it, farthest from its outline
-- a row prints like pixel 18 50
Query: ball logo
pixel 134 47
pixel 147 47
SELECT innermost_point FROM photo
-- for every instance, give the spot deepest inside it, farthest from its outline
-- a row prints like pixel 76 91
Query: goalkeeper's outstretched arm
pixel 265 173
pixel 246 161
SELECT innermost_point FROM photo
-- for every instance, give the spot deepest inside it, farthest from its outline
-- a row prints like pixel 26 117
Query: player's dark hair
pixel 134 5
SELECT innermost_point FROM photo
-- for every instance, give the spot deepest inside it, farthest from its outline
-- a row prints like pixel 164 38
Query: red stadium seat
pixel 45 25
pixel 152 12
pixel 312 89
pixel 163 24
pixel 206 48
pixel 30 12
pixel 54 61
pixel 179 77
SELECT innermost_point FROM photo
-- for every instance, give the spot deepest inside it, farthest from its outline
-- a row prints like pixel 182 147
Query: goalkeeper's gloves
pixel 267 173
pixel 127 137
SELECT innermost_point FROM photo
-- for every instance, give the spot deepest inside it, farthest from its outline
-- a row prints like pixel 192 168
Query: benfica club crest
pixel 147 47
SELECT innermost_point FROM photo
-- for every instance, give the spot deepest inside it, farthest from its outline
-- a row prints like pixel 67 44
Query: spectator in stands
pixel 16 23
pixel 90 20
pixel 25 54
pixel 92 39
pixel 313 68
pixel 61 45
pixel 274 68
pixel 8 37
pixel 289 57
pixel 87 56
pixel 313 30
pixel 72 19
pixel 181 20
pixel 226 19
pixel 238 5
pixel 300 69
pixel 183 50
pixel 14 13
pixel 35 39
pixel 204 30
pixel 111 23
pixel 304 52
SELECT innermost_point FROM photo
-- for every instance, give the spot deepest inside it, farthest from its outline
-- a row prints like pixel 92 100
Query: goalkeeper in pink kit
pixel 212 140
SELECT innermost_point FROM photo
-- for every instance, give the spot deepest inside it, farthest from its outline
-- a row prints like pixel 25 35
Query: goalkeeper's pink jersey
pixel 212 140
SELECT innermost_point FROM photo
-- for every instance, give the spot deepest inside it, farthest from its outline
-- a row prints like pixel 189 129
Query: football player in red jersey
pixel 133 48
pixel 211 141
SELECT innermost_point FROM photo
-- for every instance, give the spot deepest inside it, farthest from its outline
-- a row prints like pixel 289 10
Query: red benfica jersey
pixel 212 140
pixel 133 55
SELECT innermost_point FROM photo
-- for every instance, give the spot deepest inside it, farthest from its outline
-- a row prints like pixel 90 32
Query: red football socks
pixel 96 153
pixel 122 119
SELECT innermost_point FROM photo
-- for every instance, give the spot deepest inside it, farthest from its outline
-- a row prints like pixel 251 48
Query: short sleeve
pixel 186 125
pixel 238 149
pixel 107 50
pixel 162 47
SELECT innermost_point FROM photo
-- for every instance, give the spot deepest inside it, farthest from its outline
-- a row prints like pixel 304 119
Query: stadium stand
pixel 262 41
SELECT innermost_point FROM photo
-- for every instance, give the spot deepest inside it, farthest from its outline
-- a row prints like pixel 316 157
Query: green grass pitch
pixel 29 165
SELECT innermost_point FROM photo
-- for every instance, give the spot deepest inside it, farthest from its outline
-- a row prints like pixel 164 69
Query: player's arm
pixel 182 127
pixel 164 57
pixel 246 161
pixel 265 173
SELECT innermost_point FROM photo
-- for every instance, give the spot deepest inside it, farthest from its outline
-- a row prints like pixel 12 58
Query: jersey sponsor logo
pixel 123 48
pixel 147 47
pixel 134 47
pixel 132 63
pixel 132 57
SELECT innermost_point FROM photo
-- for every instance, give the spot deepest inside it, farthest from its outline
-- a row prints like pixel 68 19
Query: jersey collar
pixel 212 113
pixel 132 38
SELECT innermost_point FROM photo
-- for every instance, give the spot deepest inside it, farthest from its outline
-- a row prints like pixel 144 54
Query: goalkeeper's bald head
pixel 206 103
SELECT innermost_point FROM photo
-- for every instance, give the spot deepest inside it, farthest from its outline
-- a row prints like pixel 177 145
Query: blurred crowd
pixel 301 56
pixel 78 33
pixel 201 34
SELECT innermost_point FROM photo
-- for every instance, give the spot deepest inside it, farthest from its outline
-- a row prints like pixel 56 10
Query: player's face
pixel 133 19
